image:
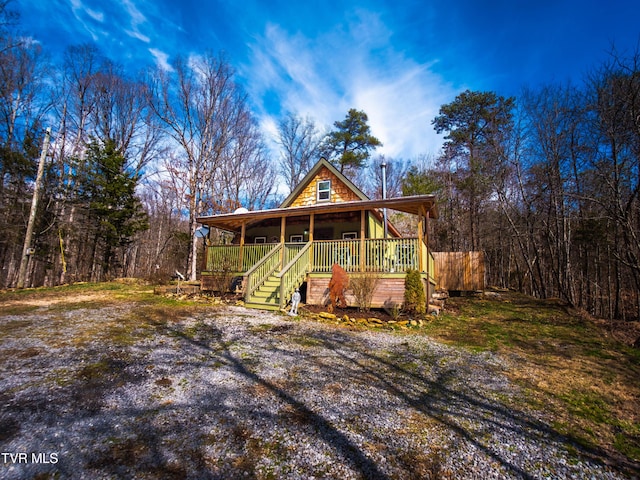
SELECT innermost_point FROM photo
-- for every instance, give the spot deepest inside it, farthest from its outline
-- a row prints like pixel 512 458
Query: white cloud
pixel 138 35
pixel 97 16
pixel 400 108
pixel 81 12
pixel 137 19
pixel 162 59
pixel 352 66
pixel 78 8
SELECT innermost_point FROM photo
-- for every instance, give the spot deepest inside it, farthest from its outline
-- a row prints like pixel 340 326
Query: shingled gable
pixel 342 189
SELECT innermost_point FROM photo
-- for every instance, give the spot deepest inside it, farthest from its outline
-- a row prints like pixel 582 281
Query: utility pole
pixel 26 248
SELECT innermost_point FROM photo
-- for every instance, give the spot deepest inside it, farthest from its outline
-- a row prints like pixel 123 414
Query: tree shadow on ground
pixel 176 433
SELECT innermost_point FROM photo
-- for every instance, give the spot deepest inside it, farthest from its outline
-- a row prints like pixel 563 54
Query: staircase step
pixel 262 306
pixel 265 296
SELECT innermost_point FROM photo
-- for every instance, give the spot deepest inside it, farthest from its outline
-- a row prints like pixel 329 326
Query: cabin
pixel 325 220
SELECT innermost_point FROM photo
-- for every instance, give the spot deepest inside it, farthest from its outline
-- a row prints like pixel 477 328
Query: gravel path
pixel 236 393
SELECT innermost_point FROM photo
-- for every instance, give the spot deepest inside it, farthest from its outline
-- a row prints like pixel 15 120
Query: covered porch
pixel 271 266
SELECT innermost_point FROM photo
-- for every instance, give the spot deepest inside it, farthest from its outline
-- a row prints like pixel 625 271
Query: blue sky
pixel 396 60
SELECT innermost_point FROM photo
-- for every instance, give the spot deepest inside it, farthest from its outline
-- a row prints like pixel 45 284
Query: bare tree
pixel 300 142
pixel 95 101
pixel 198 104
pixel 23 104
pixel 247 177
pixel 396 170
pixel 121 113
pixel 75 101
pixel 615 100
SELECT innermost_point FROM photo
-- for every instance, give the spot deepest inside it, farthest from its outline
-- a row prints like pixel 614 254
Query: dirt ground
pixel 102 384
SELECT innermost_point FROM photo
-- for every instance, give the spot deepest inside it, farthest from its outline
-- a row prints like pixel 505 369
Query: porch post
pixel 243 230
pixel 420 242
pixel 426 239
pixel 363 215
pixel 283 226
pixel 312 218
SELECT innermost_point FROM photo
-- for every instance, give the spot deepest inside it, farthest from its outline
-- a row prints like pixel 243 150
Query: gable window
pixel 324 190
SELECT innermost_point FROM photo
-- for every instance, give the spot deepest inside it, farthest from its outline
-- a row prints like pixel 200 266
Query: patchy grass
pixel 569 367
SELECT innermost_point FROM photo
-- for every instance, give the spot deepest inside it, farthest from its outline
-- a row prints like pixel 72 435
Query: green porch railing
pixel 291 250
pixel 380 255
pixel 227 257
pixel 431 263
pixel 256 275
pixel 294 273
pixel 344 252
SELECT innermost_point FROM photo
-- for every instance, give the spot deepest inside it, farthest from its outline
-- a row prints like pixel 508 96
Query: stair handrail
pixel 287 284
pixel 262 269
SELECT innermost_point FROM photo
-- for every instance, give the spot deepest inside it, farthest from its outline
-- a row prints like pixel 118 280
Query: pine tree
pixel 348 147
pixel 109 190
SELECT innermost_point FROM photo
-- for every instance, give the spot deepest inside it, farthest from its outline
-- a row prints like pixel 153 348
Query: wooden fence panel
pixel 463 271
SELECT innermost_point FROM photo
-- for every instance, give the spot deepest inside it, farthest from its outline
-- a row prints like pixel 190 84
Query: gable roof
pixel 308 178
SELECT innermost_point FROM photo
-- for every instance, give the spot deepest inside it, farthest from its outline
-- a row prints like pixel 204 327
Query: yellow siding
pixel 339 191
pixel 376 228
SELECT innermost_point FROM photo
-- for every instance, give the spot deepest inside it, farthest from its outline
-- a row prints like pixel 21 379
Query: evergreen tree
pixel 348 147
pixel 114 208
pixel 417 182
pixel 414 296
pixel 476 126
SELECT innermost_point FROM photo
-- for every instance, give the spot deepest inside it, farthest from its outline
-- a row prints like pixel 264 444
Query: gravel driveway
pixel 236 393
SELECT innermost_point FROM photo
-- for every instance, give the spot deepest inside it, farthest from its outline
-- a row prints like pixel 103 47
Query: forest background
pixel 545 183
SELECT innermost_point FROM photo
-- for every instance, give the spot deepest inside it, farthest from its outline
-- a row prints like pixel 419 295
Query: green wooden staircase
pixel 266 296
pixel 270 283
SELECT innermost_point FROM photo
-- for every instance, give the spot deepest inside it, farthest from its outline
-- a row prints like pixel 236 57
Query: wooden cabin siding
pixel 460 271
pixel 339 191
pixel 376 228
pixel 388 292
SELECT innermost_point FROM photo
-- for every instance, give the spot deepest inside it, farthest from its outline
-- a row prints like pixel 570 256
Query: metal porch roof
pixel 233 221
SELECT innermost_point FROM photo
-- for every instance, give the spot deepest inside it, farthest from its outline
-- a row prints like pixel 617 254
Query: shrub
pixel 414 297
pixel 223 276
pixel 363 286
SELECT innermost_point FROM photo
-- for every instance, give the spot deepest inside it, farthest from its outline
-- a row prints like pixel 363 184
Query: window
pixel 260 240
pixel 349 235
pixel 295 238
pixel 324 190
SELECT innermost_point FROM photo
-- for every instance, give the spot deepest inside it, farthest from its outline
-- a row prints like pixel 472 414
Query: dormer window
pixel 324 190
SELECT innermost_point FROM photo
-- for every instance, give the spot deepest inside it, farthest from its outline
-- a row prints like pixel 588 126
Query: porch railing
pixel 257 274
pixel 380 255
pixel 291 250
pixel 227 257
pixel 294 273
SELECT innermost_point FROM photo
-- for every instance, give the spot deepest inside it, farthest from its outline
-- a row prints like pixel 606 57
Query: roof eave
pixel 413 205
pixel 323 162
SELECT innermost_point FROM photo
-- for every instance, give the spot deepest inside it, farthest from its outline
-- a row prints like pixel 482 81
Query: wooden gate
pixel 459 271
